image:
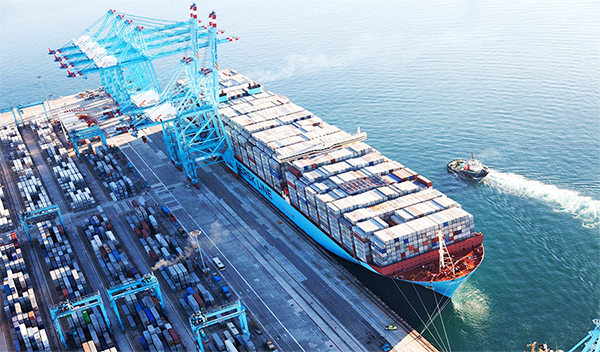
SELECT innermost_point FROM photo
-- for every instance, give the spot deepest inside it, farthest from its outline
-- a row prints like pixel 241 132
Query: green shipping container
pixel 86 317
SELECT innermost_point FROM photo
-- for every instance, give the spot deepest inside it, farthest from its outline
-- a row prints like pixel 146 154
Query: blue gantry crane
pixel 147 283
pixel 20 108
pixel 27 216
pixel 79 128
pixel 69 307
pixel 201 320
pixel 121 48
pixel 591 343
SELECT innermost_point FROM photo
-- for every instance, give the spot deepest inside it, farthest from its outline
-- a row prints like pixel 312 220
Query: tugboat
pixel 470 169
pixel 541 348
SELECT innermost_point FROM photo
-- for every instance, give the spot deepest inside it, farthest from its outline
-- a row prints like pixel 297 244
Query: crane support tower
pixel 121 48
pixel 69 307
pixel 147 283
pixel 44 213
pixel 201 320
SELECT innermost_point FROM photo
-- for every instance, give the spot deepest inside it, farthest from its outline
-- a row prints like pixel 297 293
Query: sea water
pixel 516 82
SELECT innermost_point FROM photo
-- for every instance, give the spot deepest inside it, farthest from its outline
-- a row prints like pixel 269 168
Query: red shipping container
pixel 199 300
pixel 137 232
pixel 135 203
pixel 411 247
pixel 103 252
pixel 109 226
pixel 65 293
pixel 424 181
pixel 153 256
pixel 145 226
pixel 174 336
pixel 295 171
pixel 145 233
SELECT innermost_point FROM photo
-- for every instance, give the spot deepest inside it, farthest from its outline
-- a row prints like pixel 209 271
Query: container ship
pixel 411 243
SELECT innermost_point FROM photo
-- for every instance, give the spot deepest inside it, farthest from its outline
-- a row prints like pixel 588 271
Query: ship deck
pixel 464 263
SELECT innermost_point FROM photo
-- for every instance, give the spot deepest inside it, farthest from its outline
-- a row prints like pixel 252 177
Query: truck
pixel 225 292
pixel 217 280
pixel 269 345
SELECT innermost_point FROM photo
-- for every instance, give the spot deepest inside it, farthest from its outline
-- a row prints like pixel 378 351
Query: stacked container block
pixel 105 165
pixel 6 223
pixel 67 174
pixel 30 186
pixel 107 247
pixel 20 303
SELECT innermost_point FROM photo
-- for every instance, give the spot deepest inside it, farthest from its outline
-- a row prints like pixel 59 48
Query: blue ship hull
pixel 445 289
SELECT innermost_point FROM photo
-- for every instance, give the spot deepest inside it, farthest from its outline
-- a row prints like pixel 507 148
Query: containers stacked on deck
pixel 106 245
pixel 20 304
pixel 6 223
pixel 105 163
pixel 418 236
pixel 353 193
pixel 69 178
pixel 30 186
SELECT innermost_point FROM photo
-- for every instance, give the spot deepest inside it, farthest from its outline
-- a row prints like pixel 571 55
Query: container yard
pixel 141 242
pixel 20 304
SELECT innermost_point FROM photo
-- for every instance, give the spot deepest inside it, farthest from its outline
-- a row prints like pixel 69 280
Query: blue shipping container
pixel 150 316
pixel 143 343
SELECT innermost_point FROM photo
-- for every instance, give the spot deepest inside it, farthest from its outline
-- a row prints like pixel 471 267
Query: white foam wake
pixel 583 207
pixel 472 305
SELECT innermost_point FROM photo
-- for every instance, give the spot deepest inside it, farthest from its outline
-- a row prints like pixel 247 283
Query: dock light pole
pixel 45 95
pixel 195 234
pixel 52 108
